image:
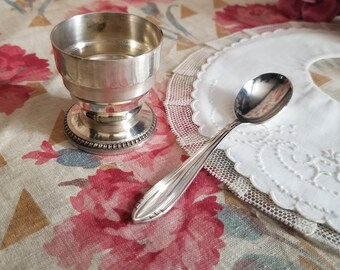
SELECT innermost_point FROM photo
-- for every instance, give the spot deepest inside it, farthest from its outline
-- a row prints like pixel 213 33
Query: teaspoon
pixel 258 100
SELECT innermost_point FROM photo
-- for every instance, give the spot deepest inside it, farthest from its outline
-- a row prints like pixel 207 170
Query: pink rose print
pixel 146 2
pixel 235 18
pixel 16 67
pixel 97 6
pixel 188 237
pixel 43 156
pixel 13 97
pixel 310 10
pixel 66 157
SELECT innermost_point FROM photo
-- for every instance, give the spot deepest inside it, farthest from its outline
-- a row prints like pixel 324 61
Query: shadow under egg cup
pixel 108 62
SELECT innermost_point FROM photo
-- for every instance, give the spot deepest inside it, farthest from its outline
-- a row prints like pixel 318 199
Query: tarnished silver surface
pixel 258 100
pixel 108 62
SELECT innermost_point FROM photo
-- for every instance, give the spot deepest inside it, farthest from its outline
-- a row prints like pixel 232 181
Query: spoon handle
pixel 163 195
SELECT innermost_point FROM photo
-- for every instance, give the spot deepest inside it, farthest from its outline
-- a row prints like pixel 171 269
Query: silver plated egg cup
pixel 108 62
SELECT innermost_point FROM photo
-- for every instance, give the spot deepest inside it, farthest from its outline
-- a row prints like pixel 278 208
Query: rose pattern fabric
pixel 66 157
pixel 188 237
pixel 13 97
pixel 144 3
pixel 17 67
pixel 97 6
pixel 310 10
pixel 43 156
pixel 113 6
pixel 234 18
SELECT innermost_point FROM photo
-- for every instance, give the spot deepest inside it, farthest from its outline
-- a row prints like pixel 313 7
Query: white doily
pixel 293 157
pixel 288 157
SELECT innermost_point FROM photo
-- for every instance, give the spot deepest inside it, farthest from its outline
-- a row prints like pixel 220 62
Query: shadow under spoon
pixel 258 100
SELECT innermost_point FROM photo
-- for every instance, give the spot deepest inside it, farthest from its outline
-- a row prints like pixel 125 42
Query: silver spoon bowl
pixel 258 100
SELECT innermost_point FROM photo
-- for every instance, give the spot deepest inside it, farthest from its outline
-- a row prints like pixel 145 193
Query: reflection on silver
pixel 108 62
pixel 258 100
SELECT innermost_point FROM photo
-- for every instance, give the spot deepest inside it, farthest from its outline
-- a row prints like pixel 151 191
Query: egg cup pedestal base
pixel 106 135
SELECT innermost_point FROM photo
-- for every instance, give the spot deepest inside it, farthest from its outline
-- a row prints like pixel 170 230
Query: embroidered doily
pixel 291 162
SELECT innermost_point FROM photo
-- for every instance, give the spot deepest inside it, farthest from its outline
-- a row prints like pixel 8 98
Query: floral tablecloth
pixel 62 208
